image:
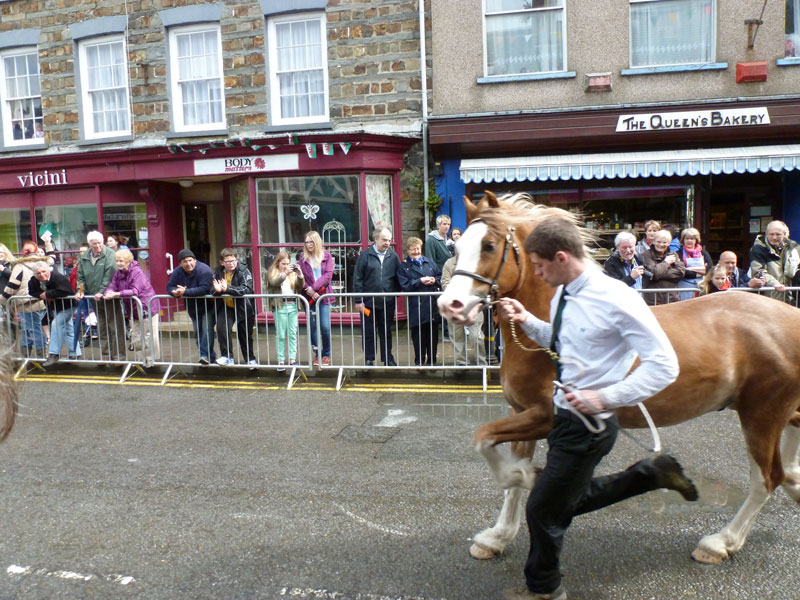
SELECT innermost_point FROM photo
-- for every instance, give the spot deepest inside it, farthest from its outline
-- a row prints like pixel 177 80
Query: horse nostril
pixel 456 304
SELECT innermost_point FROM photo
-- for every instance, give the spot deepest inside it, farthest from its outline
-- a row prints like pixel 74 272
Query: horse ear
pixel 491 199
pixel 472 210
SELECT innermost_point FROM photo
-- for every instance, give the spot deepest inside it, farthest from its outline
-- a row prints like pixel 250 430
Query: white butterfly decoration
pixel 309 211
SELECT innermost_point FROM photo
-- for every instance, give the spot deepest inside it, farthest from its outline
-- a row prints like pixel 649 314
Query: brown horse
pixel 8 390
pixel 747 362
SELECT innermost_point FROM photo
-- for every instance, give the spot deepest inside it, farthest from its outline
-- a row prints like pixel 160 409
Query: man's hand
pixel 512 310
pixel 756 282
pixel 637 272
pixel 780 288
pixel 359 306
pixel 592 403
pixel 98 296
pixel 179 291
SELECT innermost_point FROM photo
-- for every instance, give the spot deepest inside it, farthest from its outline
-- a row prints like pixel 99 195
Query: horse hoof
pixel 482 552
pixel 706 557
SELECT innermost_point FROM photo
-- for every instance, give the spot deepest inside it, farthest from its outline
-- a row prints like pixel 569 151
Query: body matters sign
pixel 247 164
pixel 696 119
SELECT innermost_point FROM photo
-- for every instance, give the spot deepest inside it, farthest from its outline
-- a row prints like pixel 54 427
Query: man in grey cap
pixel 193 281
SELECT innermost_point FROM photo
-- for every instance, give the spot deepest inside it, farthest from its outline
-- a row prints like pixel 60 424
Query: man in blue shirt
pixel 598 326
pixel 194 282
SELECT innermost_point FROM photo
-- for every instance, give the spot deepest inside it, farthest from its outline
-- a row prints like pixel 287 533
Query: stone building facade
pixel 198 84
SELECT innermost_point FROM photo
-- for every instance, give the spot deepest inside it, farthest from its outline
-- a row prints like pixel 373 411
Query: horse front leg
pixel 493 541
pixel 790 447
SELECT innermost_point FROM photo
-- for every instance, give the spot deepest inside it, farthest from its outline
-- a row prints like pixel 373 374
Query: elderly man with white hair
pixel 624 264
pixel 96 267
pixel 775 258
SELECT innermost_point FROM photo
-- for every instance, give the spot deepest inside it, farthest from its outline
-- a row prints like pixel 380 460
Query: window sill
pixel 298 127
pixel 23 148
pixel 788 61
pixel 171 135
pixel 530 77
pixel 675 69
pixel 107 140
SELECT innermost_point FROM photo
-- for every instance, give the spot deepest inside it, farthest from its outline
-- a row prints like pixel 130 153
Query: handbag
pixel 320 291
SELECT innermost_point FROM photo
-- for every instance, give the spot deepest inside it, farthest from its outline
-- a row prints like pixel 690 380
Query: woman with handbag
pixel 316 265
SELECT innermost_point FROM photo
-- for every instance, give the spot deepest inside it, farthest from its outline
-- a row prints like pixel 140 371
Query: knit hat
pixel 185 253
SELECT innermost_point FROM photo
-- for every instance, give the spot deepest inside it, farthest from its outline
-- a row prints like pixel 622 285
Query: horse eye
pixel 487 247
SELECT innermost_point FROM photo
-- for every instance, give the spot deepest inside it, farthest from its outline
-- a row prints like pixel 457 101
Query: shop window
pixel 298 64
pixel 69 225
pixel 128 222
pixel 104 87
pixel 525 37
pixel 22 98
pixel 196 71
pixel 15 228
pixel 240 212
pixel 792 28
pixel 672 32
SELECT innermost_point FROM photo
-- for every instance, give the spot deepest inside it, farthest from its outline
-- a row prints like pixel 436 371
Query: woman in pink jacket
pixel 316 264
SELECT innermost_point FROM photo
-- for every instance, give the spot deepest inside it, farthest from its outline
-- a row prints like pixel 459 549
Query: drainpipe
pixel 423 68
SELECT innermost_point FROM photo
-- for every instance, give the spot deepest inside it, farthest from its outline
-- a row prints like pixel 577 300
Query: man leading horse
pixel 597 327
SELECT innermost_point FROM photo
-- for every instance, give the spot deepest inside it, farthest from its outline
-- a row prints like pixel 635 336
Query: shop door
pixel 204 227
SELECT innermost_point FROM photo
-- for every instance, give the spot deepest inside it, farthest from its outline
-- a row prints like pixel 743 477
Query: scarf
pixel 417 261
pixel 697 252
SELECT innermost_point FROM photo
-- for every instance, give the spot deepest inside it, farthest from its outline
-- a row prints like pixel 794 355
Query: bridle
pixel 494 288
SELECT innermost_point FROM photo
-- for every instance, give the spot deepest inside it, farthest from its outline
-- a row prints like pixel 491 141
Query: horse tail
pixel 8 392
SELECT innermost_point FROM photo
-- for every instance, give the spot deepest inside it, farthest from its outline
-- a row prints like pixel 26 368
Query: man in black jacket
pixel 56 291
pixel 375 272
pixel 193 282
pixel 231 278
pixel 624 264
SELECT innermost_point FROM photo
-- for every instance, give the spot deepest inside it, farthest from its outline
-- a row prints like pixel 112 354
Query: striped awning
pixel 619 165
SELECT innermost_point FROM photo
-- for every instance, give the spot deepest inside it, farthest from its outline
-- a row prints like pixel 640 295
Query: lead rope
pixel 600 423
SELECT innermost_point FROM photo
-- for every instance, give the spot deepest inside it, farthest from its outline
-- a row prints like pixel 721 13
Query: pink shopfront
pixel 257 196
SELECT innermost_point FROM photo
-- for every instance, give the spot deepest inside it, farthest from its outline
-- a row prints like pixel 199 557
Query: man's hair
pixel 226 252
pixel 555 235
pixel 441 219
pixel 781 223
pixel 95 235
pixel 622 236
pixel 379 231
pixel 39 264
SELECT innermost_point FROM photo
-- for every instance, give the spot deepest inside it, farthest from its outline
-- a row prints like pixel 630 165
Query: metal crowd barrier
pixel 658 297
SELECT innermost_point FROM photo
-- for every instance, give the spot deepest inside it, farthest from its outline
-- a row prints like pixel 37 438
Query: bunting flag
pixel 293 140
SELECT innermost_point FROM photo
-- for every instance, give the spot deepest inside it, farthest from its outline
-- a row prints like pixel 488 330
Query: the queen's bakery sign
pixel 246 164
pixel 696 119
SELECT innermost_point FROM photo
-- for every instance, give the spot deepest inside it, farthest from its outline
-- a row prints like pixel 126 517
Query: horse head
pixel 491 262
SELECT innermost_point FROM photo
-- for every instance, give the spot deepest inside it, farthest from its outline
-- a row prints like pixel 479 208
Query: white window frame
pixel 488 15
pixel 87 104
pixel 177 92
pixel 5 109
pixel 714 25
pixel 274 88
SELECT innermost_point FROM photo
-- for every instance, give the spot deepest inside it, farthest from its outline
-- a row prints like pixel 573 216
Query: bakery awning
pixel 619 165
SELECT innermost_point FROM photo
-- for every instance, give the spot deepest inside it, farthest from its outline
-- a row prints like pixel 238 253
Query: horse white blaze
pixel 458 300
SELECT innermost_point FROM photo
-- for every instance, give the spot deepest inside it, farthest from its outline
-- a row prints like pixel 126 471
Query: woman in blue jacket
pixel 418 273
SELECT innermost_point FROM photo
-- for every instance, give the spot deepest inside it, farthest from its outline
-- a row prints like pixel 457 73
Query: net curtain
pixel 672 32
pixel 198 65
pixel 379 200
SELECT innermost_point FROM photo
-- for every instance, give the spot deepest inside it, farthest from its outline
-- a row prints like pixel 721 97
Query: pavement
pixel 209 488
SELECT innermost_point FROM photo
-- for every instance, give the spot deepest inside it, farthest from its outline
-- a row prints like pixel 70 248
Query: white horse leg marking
pixel 508 473
pixel 495 539
pixel 713 549
pixel 790 446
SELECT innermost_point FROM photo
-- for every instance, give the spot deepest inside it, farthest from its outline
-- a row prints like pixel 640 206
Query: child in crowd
pixel 283 277
pixel 716 280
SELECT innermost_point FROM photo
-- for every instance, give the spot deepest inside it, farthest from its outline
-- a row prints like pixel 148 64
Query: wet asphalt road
pixel 122 491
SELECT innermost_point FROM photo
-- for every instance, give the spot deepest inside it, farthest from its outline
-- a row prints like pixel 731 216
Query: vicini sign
pixel 43 178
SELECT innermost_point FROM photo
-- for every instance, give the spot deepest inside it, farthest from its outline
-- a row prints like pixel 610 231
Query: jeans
pixel 324 326
pixel 566 488
pixel 286 323
pixel 32 333
pixel 204 332
pixel 62 331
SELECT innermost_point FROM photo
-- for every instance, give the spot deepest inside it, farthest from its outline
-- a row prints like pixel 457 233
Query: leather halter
pixel 494 288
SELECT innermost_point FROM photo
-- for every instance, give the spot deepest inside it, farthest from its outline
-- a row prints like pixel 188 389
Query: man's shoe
pixel 525 594
pixel 203 361
pixel 326 360
pixel 73 357
pixel 391 363
pixel 669 475
pixel 316 362
pixel 369 363
pixel 51 360
pixel 252 365
pixel 224 361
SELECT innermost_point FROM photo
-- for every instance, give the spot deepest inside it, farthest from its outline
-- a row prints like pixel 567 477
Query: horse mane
pixel 520 209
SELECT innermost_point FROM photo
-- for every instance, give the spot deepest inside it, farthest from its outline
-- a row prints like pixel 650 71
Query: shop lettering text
pixel 246 164
pixel 43 178
pixel 693 119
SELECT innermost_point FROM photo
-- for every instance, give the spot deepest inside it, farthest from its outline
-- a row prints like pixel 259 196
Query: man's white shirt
pixel 605 325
